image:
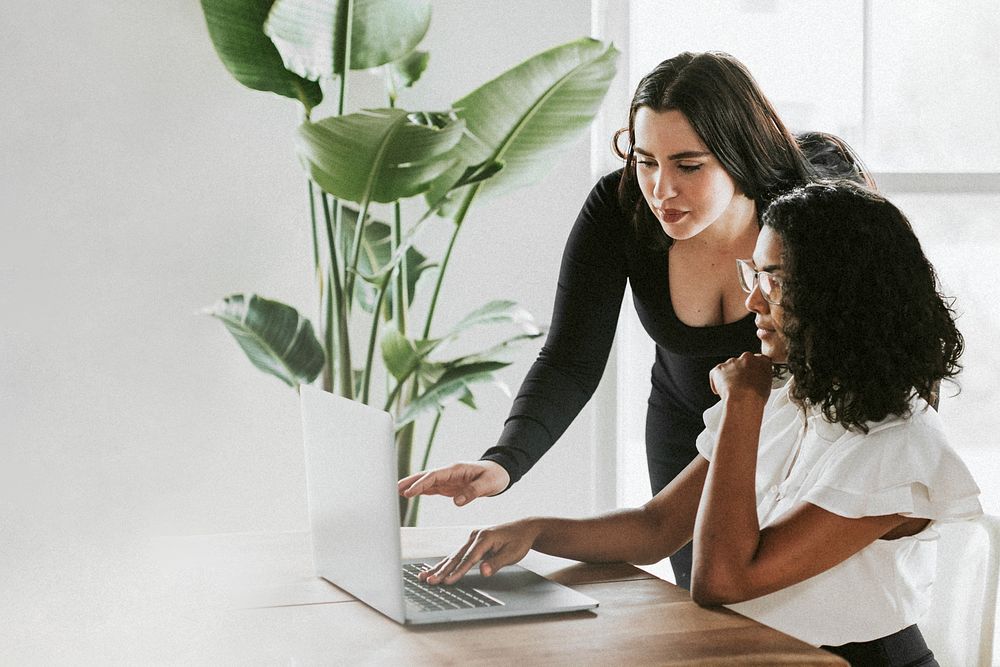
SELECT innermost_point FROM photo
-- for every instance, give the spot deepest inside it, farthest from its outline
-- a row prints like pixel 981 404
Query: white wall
pixel 140 182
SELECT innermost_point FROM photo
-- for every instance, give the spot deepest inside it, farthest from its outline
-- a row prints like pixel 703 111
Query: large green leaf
pixel 376 155
pixel 401 354
pixel 376 257
pixel 311 34
pixel 376 252
pixel 452 386
pixel 273 335
pixel 498 351
pixel 409 68
pixel 526 116
pixel 237 31
pixel 495 312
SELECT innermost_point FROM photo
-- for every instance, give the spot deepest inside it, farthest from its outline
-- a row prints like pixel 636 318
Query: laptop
pixel 354 513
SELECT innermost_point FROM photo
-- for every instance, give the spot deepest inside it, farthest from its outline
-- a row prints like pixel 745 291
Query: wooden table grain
pixel 253 599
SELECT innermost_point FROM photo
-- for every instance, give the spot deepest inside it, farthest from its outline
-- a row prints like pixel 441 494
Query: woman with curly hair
pixel 813 498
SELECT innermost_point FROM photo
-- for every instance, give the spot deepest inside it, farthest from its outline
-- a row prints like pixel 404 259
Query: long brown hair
pixel 727 109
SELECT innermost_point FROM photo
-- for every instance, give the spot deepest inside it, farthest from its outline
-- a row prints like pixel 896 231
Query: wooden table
pixel 253 599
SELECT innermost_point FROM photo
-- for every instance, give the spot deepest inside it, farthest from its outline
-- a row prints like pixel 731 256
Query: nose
pixel 663 189
pixel 756 303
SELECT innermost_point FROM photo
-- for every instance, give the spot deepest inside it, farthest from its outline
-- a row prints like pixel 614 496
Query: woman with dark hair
pixel 832 158
pixel 813 498
pixel 705 152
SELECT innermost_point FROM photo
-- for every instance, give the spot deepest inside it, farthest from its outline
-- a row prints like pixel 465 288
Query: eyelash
pixel 686 168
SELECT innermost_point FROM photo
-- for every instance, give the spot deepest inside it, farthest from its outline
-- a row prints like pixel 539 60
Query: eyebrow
pixel 770 268
pixel 676 156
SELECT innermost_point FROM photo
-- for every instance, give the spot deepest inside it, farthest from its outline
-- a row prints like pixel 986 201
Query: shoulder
pixel 903 465
pixel 602 202
pixel 914 439
pixel 601 231
pixel 918 433
pixel 607 185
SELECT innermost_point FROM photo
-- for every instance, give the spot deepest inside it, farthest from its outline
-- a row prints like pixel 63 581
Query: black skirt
pixel 905 648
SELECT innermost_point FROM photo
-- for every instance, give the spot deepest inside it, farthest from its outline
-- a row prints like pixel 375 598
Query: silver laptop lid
pixel 351 479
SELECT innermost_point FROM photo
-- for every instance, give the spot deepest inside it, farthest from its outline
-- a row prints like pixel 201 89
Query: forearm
pixel 727 532
pixel 643 535
pixel 549 399
pixel 629 535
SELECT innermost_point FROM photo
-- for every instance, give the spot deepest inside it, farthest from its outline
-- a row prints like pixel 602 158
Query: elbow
pixel 707 595
pixel 713 585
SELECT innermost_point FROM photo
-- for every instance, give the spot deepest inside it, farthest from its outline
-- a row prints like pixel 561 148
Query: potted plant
pixel 375 330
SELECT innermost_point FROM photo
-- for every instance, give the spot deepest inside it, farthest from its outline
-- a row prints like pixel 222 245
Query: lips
pixel 763 331
pixel 671 215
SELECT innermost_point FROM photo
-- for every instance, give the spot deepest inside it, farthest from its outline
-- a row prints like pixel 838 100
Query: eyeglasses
pixel 770 285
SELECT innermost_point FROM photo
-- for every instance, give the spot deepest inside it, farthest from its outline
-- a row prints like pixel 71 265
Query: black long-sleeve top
pixel 602 254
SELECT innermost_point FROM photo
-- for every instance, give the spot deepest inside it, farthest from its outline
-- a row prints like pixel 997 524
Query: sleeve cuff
pixel 501 459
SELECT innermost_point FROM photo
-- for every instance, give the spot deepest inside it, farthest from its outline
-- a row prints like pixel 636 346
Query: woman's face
pixel 684 184
pixel 770 317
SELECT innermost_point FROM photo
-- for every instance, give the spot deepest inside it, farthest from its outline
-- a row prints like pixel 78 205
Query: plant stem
pixel 341 101
pixel 351 272
pixel 330 333
pixel 376 319
pixel 390 86
pixel 348 29
pixel 430 440
pixel 336 310
pixel 400 295
pixel 411 511
pixel 404 446
pixel 312 218
pixel 324 326
pixel 394 394
pixel 459 218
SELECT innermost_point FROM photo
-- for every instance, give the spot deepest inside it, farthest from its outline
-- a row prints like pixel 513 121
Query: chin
pixel 776 353
pixel 678 233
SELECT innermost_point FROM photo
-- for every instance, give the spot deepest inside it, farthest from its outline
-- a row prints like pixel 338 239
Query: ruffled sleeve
pixel 707 438
pixel 901 467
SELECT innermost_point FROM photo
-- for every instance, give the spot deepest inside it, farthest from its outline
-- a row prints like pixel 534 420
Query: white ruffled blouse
pixel 901 466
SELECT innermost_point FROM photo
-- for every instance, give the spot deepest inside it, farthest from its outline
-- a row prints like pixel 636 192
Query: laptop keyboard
pixel 438 598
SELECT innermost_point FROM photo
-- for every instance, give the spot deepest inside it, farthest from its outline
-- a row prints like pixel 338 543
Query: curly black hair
pixel 866 325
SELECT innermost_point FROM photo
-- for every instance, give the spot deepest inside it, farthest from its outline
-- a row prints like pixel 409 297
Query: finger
pixel 437 572
pixel 425 574
pixel 480 550
pixel 426 484
pixel 447 565
pixel 711 379
pixel 455 562
pixel 500 558
pixel 408 481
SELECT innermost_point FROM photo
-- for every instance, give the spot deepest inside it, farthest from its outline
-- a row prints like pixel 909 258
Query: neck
pixel 735 230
